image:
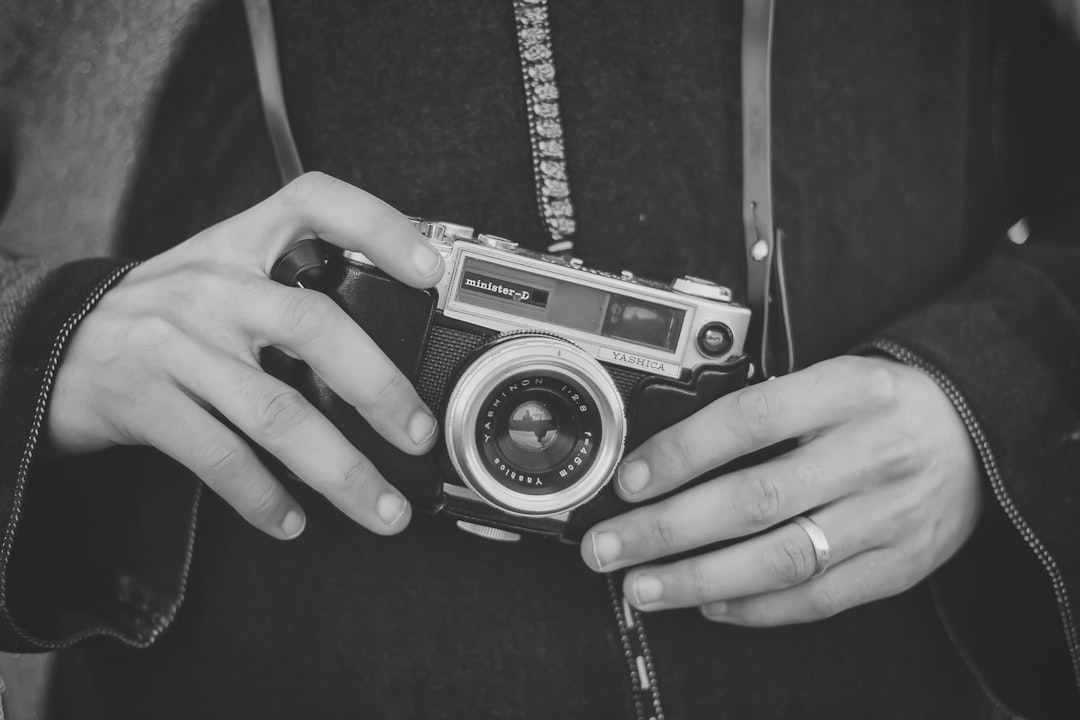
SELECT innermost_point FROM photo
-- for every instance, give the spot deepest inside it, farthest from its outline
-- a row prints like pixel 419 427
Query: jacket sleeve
pixel 94 545
pixel 1005 346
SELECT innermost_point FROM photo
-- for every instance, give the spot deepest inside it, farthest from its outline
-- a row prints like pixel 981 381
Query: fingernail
pixel 715 609
pixel 390 507
pixel 633 477
pixel 421 427
pixel 426 259
pixel 647 589
pixel 606 547
pixel 293 524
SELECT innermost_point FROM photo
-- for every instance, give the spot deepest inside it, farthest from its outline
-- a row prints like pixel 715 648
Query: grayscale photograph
pixel 537 359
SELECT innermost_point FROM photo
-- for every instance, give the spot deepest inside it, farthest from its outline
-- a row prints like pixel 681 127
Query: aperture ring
pixel 533 355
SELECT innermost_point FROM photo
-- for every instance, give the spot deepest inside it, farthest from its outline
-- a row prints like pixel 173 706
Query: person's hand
pixel 177 341
pixel 884 466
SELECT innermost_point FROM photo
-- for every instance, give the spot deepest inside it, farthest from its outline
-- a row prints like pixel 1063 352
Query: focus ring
pixel 533 355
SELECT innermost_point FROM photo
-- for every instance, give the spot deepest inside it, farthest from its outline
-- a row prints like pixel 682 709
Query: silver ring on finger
pixel 818 540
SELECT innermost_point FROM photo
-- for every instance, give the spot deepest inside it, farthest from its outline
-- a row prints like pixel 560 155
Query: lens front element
pixel 532 426
pixel 537 434
pixel 535 426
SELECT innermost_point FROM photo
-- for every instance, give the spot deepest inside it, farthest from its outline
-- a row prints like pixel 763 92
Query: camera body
pixel 541 371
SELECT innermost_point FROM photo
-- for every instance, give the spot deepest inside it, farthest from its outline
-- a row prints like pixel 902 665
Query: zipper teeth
pixel 550 178
pixel 650 667
pixel 161 620
pixel 628 650
pixel 989 463
pixel 628 617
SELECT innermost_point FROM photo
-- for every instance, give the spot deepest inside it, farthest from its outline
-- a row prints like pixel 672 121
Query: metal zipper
pixel 1001 494
pixel 545 123
pixel 638 655
pixel 160 620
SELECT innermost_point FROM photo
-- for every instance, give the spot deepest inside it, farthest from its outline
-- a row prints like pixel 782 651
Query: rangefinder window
pixel 580 307
pixel 641 322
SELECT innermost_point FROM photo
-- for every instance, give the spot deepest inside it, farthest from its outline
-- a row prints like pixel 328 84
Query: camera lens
pixel 538 433
pixel 534 426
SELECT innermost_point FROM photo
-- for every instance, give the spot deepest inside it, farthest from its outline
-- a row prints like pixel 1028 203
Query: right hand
pixel 178 339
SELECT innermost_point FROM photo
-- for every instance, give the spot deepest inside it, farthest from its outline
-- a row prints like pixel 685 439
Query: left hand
pixel 884 466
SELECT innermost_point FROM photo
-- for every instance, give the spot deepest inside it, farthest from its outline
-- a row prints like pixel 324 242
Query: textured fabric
pixel 884 174
pixel 76 82
pixel 1028 406
pixel 43 315
pixel 19 281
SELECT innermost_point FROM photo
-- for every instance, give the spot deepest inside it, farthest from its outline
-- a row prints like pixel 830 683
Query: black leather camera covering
pixel 397 318
pixel 430 350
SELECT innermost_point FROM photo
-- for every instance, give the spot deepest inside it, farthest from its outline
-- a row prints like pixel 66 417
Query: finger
pixel 190 435
pixel 312 326
pixel 867 577
pixel 741 503
pixel 782 558
pixel 280 420
pixel 819 397
pixel 347 217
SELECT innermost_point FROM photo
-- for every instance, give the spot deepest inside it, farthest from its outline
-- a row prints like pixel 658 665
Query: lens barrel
pixel 534 425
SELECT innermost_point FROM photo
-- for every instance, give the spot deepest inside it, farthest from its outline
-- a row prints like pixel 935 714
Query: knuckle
pixel 262 501
pixel 897 453
pixel 386 392
pixel 299 193
pixel 754 411
pixel 662 535
pixel 225 459
pixel 356 476
pixel 132 384
pixel 790 561
pixel 678 448
pixel 808 474
pixel 825 601
pixel 698 583
pixel 308 315
pixel 279 412
pixel 758 502
pixel 878 386
pixel 381 218
pixel 753 613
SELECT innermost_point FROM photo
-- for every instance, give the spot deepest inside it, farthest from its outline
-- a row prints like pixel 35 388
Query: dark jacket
pixel 908 137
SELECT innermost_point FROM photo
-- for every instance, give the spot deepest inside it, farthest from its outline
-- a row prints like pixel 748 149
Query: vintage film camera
pixel 541 371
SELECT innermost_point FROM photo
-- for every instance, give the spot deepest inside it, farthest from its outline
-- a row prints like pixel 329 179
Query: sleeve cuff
pixel 91 545
pixel 1006 599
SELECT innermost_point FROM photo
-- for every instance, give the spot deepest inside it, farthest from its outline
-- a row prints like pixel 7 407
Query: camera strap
pixel 770 329
pixel 260 21
pixel 770 332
